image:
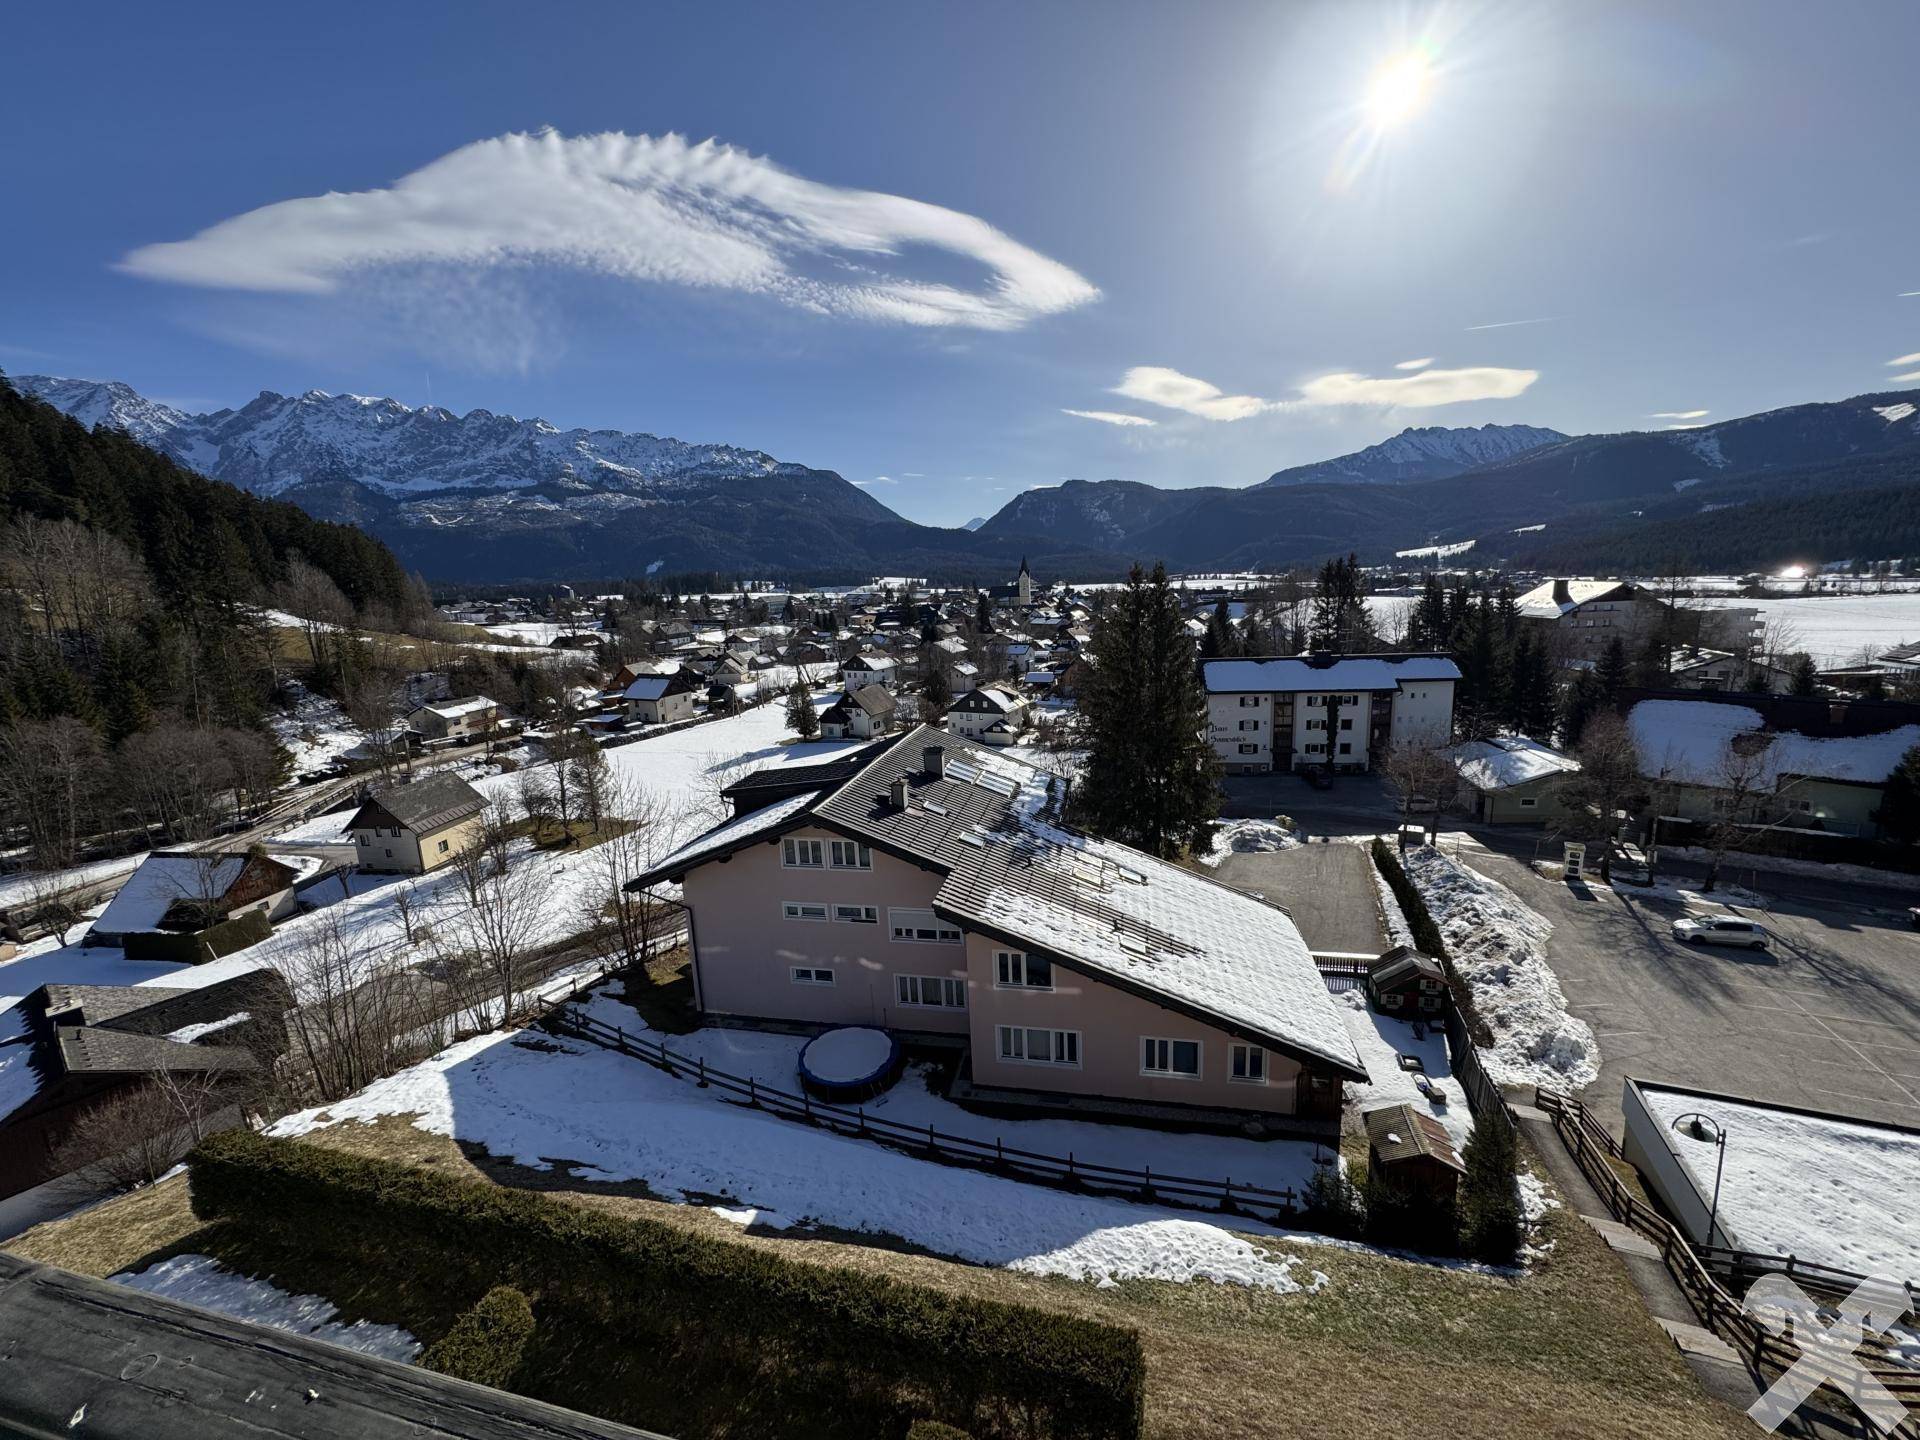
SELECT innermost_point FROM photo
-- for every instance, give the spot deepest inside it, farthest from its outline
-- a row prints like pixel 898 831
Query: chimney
pixel 933 760
pixel 897 792
pixel 1561 594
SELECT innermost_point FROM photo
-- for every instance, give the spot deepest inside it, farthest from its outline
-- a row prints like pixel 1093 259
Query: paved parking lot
pixel 1328 888
pixel 1829 1018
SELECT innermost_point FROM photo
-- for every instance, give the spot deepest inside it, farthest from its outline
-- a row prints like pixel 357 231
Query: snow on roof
pixel 867 661
pixel 741 828
pixel 1349 672
pixel 454 709
pixel 648 687
pixel 1542 603
pixel 1509 760
pixel 1689 741
pixel 163 878
pixel 1818 1187
pixel 1006 701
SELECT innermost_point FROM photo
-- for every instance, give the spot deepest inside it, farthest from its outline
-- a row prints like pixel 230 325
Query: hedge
pixel 1426 936
pixel 486 1343
pixel 797 1338
pixel 934 1430
pixel 198 947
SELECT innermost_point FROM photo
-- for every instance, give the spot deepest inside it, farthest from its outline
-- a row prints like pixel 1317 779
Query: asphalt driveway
pixel 1329 889
pixel 1828 1018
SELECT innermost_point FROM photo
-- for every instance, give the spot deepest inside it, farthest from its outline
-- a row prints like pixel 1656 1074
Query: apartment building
pixel 1343 711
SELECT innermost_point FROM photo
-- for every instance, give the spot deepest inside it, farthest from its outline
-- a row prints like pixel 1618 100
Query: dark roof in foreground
pixel 430 804
pixel 196 1375
pixel 1399 1132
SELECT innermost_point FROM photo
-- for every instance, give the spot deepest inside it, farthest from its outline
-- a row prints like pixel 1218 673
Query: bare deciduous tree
pixel 359 1013
pixel 50 782
pixel 1609 781
pixel 1419 770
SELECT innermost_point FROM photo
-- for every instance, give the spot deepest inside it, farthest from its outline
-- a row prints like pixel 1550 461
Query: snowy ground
pixel 1382 1040
pixel 203 1281
pixel 1500 946
pixel 1239 836
pixel 1687 893
pixel 1787 865
pixel 1822 1190
pixel 17 888
pixel 317 731
pixel 1836 629
pixel 613 1118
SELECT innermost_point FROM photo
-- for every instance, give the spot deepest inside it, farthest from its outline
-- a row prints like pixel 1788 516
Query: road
pixel 1829 1018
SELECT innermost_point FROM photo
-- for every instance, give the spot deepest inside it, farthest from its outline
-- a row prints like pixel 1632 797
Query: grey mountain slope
pixel 1432 452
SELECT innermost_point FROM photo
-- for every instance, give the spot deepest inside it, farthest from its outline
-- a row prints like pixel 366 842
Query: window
pixel 922 927
pixel 1316 724
pixel 1247 1064
pixel 931 992
pixel 1528 803
pixel 1346 748
pixel 1249 724
pixel 857 914
pixel 1247 700
pixel 1313 700
pixel 812 975
pixel 1179 1058
pixel 1315 749
pixel 1022 1046
pixel 803 910
pixel 443 847
pixel 1016 970
pixel 802 854
pixel 851 855
pixel 1249 749
pixel 1346 724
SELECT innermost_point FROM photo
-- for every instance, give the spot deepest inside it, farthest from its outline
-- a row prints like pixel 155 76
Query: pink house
pixel 924 885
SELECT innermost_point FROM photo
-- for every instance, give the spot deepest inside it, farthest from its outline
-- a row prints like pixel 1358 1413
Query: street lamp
pixel 1700 1126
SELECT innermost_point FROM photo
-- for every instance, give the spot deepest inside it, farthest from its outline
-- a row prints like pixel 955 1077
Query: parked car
pixel 1721 930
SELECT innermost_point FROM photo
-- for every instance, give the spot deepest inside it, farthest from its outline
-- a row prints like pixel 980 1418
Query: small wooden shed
pixel 1412 1152
pixel 1407 983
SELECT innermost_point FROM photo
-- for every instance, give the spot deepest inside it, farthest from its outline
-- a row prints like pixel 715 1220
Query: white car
pixel 1721 930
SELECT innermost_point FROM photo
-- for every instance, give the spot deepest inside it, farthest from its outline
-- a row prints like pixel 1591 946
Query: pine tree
pixel 1490 1219
pixel 1429 628
pixel 1899 812
pixel 1584 699
pixel 1613 671
pixel 1803 679
pixel 938 690
pixel 983 614
pixel 1151 778
pixel 802 718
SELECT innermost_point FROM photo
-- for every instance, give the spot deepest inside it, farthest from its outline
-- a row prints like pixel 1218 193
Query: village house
pixel 1513 779
pixel 859 714
pixel 1406 983
pixel 869 668
pixel 414 828
pixel 923 886
pixel 1769 760
pixel 1345 711
pixel 195 905
pixel 1581 618
pixel 1412 1153
pixel 989 714
pixel 661 699
pixel 1695 668
pixel 449 721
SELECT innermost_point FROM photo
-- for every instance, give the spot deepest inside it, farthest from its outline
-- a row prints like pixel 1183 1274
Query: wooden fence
pixel 1225 1195
pixel 1698 1274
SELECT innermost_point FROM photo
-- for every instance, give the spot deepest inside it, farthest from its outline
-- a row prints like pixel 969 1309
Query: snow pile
pixel 612 1118
pixel 187 1034
pixel 1242 836
pixel 1832 1191
pixel 1499 946
pixel 203 1281
pixel 315 731
pixel 1723 894
pixel 1382 1040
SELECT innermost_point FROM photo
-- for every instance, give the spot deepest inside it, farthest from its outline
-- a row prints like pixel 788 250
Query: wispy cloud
pixel 1509 324
pixel 877 480
pixel 1677 414
pixel 913 474
pixel 1422 389
pixel 642 209
pixel 1686 427
pixel 1110 417
pixel 1157 385
pixel 1908 294
pixel 1414 364
pixel 1911 377
pixel 1913 359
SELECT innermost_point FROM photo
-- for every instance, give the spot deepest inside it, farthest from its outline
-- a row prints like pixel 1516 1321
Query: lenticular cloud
pixel 638 208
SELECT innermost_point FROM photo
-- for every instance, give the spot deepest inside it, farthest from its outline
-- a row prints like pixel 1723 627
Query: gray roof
pixel 426 805
pixel 1399 1132
pixel 1401 961
pixel 91 1050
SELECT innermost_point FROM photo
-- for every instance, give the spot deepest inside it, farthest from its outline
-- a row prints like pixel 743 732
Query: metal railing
pixel 1698 1270
pixel 1224 1195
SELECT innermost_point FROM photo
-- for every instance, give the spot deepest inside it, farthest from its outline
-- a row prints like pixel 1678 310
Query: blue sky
pixel 928 233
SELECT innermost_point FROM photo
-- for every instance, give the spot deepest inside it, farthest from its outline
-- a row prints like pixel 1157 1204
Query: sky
pixel 955 251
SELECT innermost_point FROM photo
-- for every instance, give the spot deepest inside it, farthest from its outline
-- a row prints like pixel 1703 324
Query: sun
pixel 1399 88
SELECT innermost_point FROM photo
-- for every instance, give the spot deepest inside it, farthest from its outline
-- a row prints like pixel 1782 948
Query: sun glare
pixel 1398 88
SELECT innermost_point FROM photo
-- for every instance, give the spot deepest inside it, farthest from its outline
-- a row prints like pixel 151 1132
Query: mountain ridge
pixel 1429 452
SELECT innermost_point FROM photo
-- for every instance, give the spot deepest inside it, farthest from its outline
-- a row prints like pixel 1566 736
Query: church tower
pixel 1023 585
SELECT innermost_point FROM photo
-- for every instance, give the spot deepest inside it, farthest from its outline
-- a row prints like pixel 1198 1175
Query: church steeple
pixel 1023 583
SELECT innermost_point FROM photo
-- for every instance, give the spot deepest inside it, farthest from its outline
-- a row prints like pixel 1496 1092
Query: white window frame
pixel 1249 700
pixel 1012 1043
pixel 1017 963
pixel 1243 1061
pixel 1249 749
pixel 901 918
pixel 862 855
pixel 910 992
pixel 796 910
pixel 1156 1057
pixel 863 915
pixel 792 847
pixel 811 975
pixel 1249 724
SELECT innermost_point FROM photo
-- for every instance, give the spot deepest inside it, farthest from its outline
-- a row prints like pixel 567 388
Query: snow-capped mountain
pixel 277 443
pixel 1431 452
pixel 975 523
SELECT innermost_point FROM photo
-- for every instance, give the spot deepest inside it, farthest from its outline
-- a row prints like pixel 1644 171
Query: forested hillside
pixel 135 667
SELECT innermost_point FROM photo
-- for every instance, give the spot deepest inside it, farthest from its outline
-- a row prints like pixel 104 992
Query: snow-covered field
pixel 1500 946
pixel 614 1118
pixel 1822 1190
pixel 201 1280
pixel 317 731
pixel 1836 629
